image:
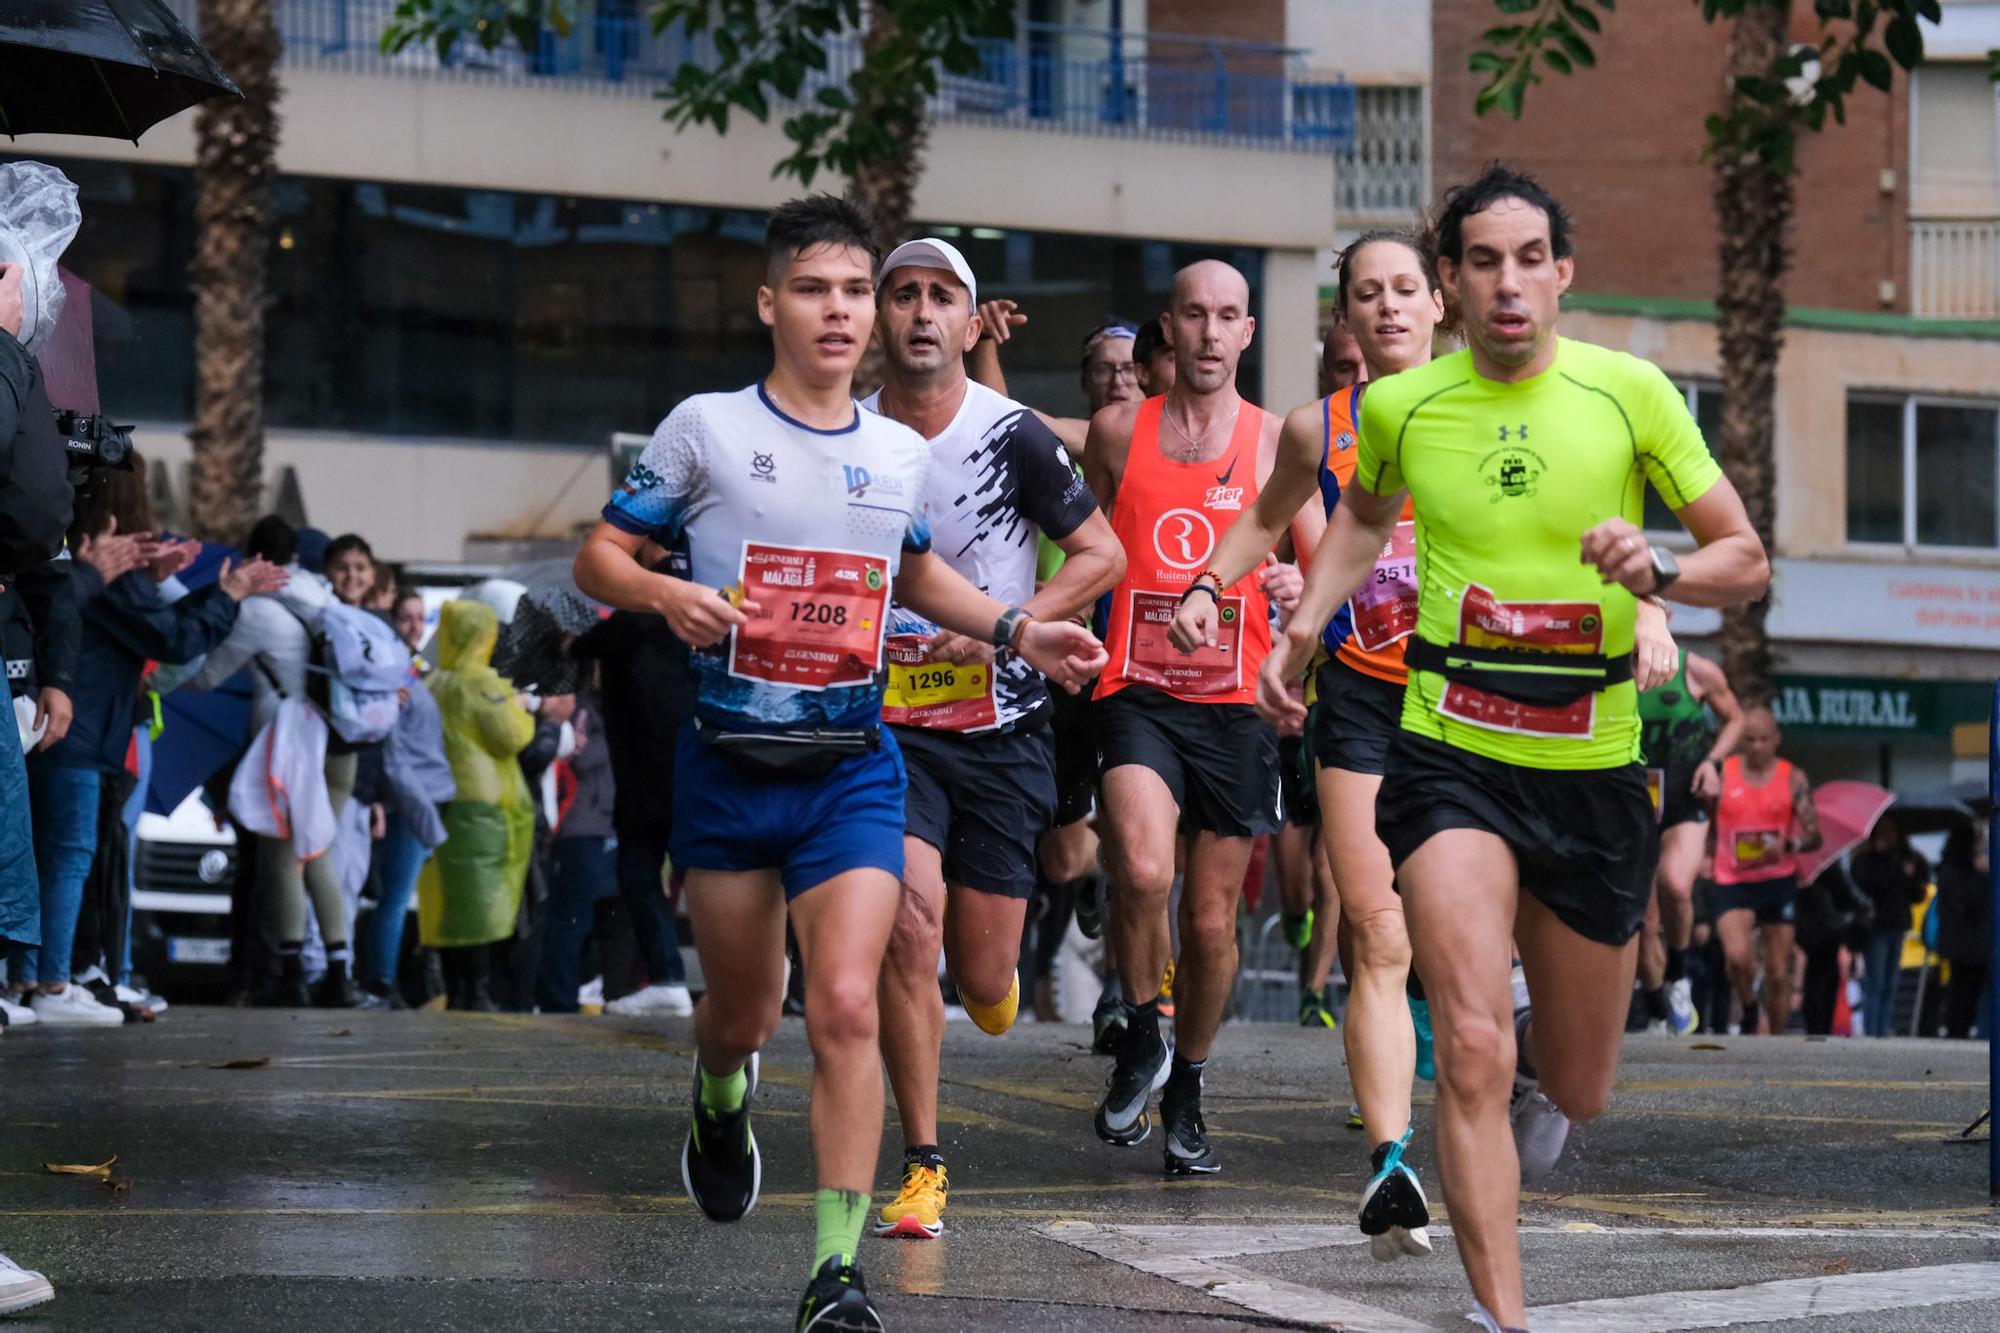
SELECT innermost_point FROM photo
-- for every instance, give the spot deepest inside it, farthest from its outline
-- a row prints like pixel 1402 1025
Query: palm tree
pixel 235 159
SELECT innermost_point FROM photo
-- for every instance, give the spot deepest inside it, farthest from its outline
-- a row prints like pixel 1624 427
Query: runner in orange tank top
pixel 1181 747
pixel 1763 819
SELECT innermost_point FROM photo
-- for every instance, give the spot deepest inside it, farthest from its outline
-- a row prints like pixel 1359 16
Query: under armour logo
pixel 1519 432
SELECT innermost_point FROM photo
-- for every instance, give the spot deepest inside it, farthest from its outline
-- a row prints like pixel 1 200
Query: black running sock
pixel 1184 1079
pixel 1380 1155
pixel 1413 985
pixel 1677 965
pixel 1142 1033
pixel 1656 1003
pixel 923 1154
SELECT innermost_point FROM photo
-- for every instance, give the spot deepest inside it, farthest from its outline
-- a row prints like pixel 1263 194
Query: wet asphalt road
pixel 446 1171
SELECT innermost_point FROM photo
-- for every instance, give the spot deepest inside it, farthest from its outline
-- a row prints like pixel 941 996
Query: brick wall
pixel 1621 146
pixel 1238 20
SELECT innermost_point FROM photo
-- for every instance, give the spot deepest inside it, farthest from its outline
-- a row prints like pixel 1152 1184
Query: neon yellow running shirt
pixel 1506 479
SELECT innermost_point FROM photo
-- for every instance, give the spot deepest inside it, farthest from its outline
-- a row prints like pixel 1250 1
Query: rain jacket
pixel 279 790
pixel 272 639
pixel 470 890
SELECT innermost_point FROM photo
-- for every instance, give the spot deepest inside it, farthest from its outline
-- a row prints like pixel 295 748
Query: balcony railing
pixel 1955 268
pixel 1075 80
pixel 1383 177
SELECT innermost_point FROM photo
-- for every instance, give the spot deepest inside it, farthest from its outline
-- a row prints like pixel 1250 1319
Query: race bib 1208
pixel 819 620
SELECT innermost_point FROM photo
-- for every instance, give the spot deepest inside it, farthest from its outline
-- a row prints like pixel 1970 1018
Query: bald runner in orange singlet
pixel 1182 749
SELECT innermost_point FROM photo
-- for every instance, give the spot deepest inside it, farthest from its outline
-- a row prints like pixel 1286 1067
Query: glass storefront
pixel 404 310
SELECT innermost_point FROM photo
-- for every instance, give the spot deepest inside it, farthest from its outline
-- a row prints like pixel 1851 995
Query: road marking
pixel 1195 1257
pixel 1768 1302
pixel 1189 1256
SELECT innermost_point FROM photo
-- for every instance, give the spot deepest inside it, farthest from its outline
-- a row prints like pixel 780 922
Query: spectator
pixel 350 569
pixel 586 863
pixel 1964 929
pixel 470 890
pixel 273 638
pixel 124 624
pixel 646 693
pixel 418 780
pixel 1833 914
pixel 412 622
pixel 1893 877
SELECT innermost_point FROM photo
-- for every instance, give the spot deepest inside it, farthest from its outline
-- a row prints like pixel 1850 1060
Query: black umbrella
pixel 110 69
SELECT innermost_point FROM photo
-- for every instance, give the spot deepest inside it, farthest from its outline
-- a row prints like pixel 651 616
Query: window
pixel 1954 141
pixel 1705 402
pixel 1923 472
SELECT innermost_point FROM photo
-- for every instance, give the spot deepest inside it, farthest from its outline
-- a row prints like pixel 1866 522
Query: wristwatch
pixel 1009 625
pixel 1665 568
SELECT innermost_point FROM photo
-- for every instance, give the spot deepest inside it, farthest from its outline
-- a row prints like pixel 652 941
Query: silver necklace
pixel 1194 443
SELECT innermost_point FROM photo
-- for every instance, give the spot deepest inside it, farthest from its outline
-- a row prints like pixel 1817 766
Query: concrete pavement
pixel 471 1172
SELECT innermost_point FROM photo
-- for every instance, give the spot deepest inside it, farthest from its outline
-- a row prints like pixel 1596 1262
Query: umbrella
pixel 110 69
pixel 534 643
pixel 1847 811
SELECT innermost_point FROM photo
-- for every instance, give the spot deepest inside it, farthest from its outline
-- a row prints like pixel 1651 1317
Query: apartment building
pixel 483 269
pixel 1886 608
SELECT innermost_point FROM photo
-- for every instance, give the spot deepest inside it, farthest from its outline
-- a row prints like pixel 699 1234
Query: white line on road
pixel 1194 1256
pixel 1769 1302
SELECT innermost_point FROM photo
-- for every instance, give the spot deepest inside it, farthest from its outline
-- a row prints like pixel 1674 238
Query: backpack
pixel 356 671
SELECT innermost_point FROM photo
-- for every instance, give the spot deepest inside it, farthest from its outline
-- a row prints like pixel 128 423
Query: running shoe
pixel 1090 905
pixel 1487 1323
pixel 1540 1130
pixel 1121 1116
pixel 836 1301
pixel 21 1287
pixel 918 1210
pixel 1354 1120
pixel 1298 929
pixel 1110 1019
pixel 998 1018
pixel 1420 1019
pixel 1313 1012
pixel 1167 991
pixel 1682 1017
pixel 1395 1216
pixel 720 1164
pixel 1188 1152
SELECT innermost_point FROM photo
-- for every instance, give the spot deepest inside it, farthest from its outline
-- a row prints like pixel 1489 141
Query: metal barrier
pixel 1047 77
pixel 1267 973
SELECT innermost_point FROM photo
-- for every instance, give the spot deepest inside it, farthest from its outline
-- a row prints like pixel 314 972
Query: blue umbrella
pixel 206 730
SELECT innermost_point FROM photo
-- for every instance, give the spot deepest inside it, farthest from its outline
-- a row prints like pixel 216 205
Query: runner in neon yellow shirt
pixel 1516 767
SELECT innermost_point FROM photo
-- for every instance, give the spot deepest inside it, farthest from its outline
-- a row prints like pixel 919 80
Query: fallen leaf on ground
pixel 1706 1046
pixel 255 1062
pixel 340 1032
pixel 118 1184
pixel 481 1147
pixel 103 1168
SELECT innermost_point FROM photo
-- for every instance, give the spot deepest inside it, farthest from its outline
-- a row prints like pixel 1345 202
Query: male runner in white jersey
pixel 801 515
pixel 1181 748
pixel 973 728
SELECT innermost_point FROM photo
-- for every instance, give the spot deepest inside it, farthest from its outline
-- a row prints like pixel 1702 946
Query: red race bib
pixel 1151 659
pixel 1558 627
pixel 943 696
pixel 1385 607
pixel 821 617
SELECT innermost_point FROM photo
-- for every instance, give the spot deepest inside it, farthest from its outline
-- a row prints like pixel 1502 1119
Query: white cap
pixel 930 252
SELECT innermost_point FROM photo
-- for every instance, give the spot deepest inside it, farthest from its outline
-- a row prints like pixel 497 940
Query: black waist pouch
pixel 1527 676
pixel 789 756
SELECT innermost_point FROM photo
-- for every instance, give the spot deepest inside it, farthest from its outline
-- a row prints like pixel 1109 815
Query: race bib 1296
pixel 943 696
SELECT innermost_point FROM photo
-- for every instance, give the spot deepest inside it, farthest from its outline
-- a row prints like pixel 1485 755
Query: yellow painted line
pixel 1775 1118
pixel 1027 1092
pixel 1639 1206
pixel 1858 1084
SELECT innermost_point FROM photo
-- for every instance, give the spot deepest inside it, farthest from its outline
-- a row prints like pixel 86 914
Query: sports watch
pixel 1665 568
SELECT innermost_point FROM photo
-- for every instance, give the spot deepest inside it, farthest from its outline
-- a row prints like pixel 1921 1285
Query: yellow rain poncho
pixel 470 891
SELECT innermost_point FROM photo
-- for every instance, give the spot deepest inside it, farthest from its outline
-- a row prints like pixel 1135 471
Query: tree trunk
pixel 1753 207
pixel 235 158
pixel 888 187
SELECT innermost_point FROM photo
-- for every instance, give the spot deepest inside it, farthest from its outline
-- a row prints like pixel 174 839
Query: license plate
pixel 198 951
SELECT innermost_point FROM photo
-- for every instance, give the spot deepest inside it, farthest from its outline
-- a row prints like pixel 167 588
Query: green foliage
pixel 1860 41
pixel 767 51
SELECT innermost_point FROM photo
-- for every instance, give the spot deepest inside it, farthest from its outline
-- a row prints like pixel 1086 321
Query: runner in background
pixel 802 516
pixel 1154 356
pixel 1181 748
pixel 1683 750
pixel 972 726
pixel 1763 819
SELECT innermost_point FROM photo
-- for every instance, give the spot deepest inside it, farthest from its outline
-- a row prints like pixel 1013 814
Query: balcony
pixel 1384 174
pixel 1955 268
pixel 1047 78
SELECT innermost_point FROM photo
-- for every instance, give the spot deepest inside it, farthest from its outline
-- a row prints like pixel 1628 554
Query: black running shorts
pixel 1677 802
pixel 1357 716
pixel 1775 901
pixel 1583 840
pixel 1298 796
pixel 1220 761
pixel 1074 724
pixel 983 801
